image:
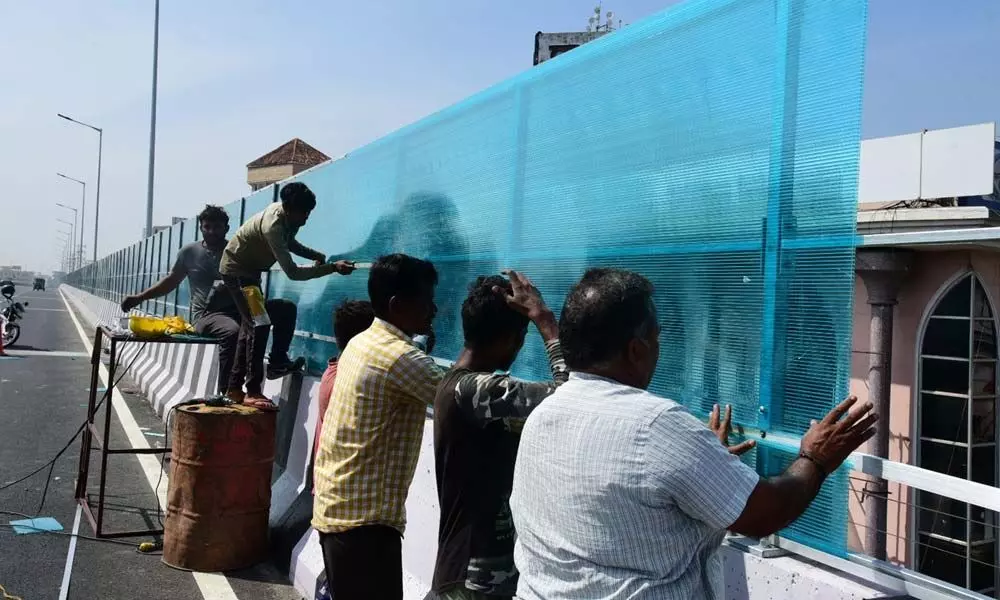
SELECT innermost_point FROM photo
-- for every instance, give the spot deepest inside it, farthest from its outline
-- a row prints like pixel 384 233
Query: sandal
pixel 260 403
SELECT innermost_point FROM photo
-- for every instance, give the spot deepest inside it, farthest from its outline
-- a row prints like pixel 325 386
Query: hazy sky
pixel 239 77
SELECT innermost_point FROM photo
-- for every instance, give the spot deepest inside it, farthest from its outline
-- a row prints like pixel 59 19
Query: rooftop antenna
pixel 594 22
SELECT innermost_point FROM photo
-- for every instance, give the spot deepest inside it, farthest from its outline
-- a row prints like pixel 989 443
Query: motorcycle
pixel 10 330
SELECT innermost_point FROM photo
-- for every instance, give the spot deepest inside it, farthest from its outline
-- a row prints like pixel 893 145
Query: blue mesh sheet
pixel 162 268
pixel 712 147
pixel 184 290
pixel 135 265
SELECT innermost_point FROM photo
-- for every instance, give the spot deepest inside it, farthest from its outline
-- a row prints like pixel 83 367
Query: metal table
pixel 92 434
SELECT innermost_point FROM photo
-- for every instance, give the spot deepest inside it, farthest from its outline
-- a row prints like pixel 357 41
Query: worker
pixel 266 238
pixel 372 434
pixel 619 493
pixel 478 413
pixel 212 311
pixel 350 318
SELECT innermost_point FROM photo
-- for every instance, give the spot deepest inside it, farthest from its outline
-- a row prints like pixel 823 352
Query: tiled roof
pixel 294 152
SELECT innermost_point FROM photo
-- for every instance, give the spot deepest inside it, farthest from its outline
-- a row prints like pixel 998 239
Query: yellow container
pixel 143 326
pixel 255 301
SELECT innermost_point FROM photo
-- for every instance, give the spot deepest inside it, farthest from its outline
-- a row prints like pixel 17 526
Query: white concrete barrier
pixel 168 374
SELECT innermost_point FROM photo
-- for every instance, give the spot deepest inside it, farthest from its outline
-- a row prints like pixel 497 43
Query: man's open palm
pixel 723 428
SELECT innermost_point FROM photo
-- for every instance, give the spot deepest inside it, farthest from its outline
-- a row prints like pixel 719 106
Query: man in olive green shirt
pixel 266 238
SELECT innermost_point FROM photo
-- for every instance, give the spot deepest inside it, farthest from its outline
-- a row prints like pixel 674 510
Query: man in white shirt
pixel 619 493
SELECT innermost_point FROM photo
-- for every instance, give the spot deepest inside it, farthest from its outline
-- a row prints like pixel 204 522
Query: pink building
pixel 927 296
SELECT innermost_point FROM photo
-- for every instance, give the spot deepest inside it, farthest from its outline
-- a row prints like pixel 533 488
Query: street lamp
pixel 97 201
pixel 75 217
pixel 83 210
pixel 152 122
pixel 67 244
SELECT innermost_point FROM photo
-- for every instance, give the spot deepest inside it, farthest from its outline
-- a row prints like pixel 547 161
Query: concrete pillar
pixel 882 270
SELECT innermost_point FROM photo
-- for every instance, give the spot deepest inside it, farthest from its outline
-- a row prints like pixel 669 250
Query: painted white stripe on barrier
pixel 291 483
pixel 191 365
pixel 207 376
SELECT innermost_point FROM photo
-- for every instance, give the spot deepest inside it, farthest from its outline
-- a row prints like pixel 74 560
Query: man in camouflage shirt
pixel 477 417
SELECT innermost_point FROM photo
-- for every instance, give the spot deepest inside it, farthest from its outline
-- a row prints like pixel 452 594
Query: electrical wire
pixel 166 444
pixel 67 534
pixel 7 596
pixel 51 463
pixel 159 479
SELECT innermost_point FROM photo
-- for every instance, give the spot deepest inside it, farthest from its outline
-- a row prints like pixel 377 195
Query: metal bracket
pixel 763 548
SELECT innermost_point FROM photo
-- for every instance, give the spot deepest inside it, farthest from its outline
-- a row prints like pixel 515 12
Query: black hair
pixel 351 318
pixel 298 197
pixel 398 275
pixel 486 316
pixel 602 314
pixel 213 214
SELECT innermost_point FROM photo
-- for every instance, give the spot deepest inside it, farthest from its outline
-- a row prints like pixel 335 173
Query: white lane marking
pixel 68 570
pixel 53 353
pixel 213 586
pixel 35 308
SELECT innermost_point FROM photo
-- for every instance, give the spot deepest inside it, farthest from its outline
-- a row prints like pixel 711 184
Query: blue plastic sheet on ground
pixel 36 525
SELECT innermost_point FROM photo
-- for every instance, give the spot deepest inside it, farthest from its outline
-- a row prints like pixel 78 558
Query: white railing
pixel 900 579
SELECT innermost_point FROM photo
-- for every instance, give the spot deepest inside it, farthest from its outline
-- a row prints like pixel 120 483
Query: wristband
pixel 810 458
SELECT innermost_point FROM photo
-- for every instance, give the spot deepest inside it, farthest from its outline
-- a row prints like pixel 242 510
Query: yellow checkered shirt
pixel 372 431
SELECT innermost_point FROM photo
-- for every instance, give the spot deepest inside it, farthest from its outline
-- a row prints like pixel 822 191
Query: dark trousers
pixel 365 563
pixel 241 356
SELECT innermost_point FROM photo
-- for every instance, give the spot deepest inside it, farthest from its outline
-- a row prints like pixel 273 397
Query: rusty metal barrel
pixel 220 487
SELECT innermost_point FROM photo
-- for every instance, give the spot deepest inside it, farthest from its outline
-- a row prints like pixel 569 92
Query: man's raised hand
pixel 722 428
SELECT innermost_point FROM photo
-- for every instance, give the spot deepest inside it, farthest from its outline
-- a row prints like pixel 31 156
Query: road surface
pixel 43 395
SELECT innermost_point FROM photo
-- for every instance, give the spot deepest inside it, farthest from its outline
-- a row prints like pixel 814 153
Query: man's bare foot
pixel 259 402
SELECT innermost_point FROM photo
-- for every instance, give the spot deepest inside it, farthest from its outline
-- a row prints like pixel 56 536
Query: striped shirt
pixel 372 431
pixel 620 494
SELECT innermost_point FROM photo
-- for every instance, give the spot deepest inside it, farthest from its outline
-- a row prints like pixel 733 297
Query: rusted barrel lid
pixel 231 409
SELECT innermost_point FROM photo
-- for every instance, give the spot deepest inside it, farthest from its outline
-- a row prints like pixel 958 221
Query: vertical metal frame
pixel 180 244
pixel 159 302
pixel 788 18
pixel 170 238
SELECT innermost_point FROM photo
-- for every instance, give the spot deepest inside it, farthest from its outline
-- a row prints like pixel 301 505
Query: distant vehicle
pixel 39 284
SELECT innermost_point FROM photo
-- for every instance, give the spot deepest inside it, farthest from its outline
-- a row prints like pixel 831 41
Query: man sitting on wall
pixel 477 416
pixel 619 493
pixel 213 312
pixel 372 434
pixel 266 238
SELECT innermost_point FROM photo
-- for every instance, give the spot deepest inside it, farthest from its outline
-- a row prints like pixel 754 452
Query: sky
pixel 237 78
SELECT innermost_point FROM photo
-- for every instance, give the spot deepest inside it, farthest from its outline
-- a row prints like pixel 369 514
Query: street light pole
pixel 152 122
pixel 83 211
pixel 66 266
pixel 75 216
pixel 97 201
pixel 67 251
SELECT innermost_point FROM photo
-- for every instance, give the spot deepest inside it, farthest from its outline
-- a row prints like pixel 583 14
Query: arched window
pixel 957 435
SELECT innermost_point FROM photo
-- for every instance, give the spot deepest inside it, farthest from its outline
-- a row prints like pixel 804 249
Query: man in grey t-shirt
pixel 212 310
